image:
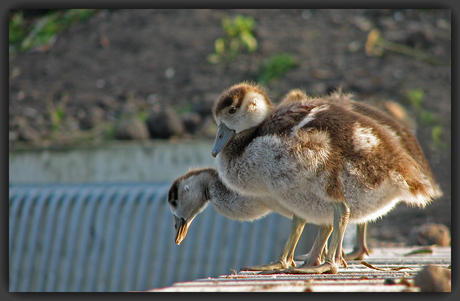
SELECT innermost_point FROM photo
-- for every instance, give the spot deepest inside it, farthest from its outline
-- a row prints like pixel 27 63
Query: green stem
pixel 415 53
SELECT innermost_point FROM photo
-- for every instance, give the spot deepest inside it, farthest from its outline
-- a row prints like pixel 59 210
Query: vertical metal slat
pixel 105 268
pixel 16 199
pixel 214 240
pixel 188 251
pixel 241 245
pixel 268 239
pixel 49 231
pixel 200 249
pixel 133 253
pixel 148 237
pixel 71 243
pixel 46 268
pixel 95 256
pixel 39 214
pixel 16 259
pixel 161 254
pixel 123 239
pixel 228 246
pixel 81 262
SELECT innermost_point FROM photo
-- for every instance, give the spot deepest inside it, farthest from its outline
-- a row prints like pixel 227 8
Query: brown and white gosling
pixel 408 141
pixel 322 161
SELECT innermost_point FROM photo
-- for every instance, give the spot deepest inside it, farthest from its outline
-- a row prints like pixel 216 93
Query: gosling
pixel 320 160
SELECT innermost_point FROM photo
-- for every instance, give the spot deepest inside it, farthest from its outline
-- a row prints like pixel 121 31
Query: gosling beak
pixel 224 135
pixel 181 229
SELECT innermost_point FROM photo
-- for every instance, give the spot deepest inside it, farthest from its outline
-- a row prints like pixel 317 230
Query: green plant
pixel 416 97
pixel 276 67
pixel 17 31
pixel 110 132
pixel 143 115
pixel 376 45
pixel 43 31
pixel 187 108
pixel 56 113
pixel 426 117
pixel 238 35
pixel 436 134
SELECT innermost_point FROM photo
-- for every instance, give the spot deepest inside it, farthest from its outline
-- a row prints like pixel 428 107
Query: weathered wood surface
pixel 395 272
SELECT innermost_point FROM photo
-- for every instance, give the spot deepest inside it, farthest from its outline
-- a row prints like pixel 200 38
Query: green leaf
pixel 249 41
pixel 276 67
pixel 220 45
pixel 436 134
pixel 416 97
pixel 238 34
pixel 214 58
pixel 427 117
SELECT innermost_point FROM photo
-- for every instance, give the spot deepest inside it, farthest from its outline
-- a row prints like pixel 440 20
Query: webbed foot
pixel 326 267
pixel 277 265
pixel 356 254
pixel 360 248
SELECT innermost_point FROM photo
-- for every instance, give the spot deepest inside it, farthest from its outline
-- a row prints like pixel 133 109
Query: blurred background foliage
pixel 244 48
pixel 24 35
pixel 238 36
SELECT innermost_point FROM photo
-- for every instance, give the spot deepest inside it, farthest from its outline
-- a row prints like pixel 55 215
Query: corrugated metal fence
pixel 120 237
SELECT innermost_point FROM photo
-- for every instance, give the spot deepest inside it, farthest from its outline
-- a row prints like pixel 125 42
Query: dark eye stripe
pixel 232 97
pixel 172 195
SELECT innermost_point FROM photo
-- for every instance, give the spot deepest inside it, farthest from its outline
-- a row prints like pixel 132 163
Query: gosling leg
pixel 334 256
pixel 287 256
pixel 360 247
pixel 318 251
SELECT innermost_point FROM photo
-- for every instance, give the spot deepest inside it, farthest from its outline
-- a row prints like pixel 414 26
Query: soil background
pixel 124 63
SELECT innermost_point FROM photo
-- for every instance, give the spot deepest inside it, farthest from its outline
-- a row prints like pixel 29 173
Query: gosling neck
pixel 210 176
pixel 237 145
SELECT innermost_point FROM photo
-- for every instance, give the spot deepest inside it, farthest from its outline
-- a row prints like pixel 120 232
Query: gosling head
pixel 187 198
pixel 294 95
pixel 239 108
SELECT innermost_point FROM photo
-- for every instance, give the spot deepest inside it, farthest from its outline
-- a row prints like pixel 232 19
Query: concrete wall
pixel 149 161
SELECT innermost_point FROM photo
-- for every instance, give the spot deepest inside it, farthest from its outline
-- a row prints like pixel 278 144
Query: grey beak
pixel 224 135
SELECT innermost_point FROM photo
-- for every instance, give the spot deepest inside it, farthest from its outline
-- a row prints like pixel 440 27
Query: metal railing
pixel 120 237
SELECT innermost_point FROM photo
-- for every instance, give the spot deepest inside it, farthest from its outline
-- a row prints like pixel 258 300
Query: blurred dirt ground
pixel 123 64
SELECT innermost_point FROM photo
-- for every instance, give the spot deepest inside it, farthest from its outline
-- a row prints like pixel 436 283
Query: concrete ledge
pixel 356 278
pixel 128 162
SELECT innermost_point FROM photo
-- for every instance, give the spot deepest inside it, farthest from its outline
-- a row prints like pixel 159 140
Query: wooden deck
pixel 387 270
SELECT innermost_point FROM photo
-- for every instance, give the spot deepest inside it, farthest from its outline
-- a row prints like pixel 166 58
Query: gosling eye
pixel 174 203
pixel 232 110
